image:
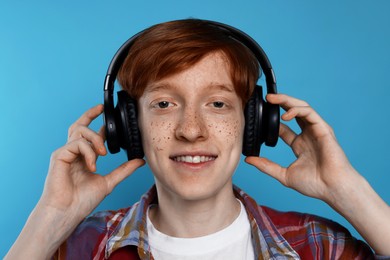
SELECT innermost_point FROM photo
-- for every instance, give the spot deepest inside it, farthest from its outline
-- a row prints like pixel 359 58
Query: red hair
pixel 172 47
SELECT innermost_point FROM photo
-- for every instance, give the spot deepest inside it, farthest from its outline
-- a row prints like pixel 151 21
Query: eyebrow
pixel 224 87
pixel 155 87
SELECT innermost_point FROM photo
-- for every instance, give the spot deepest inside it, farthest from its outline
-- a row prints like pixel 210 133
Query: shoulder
pixel 313 236
pixel 99 223
pixel 86 239
pixel 285 219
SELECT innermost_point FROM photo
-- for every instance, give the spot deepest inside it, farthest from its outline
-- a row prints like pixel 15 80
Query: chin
pixel 195 190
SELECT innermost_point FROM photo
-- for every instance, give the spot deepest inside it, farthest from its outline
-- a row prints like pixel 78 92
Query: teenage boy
pixel 191 82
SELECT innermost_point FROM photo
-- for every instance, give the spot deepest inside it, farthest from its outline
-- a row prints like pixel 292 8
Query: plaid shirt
pixel 275 235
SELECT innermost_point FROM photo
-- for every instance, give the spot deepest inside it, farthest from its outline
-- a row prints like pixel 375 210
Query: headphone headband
pixel 237 34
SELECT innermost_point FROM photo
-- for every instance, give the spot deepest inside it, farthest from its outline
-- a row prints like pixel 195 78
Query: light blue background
pixel 54 55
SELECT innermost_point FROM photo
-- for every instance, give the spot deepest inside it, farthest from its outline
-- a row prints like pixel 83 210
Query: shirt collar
pixel 131 231
pixel 267 241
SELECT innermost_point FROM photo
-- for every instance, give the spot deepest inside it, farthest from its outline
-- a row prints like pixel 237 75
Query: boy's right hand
pixel 72 186
pixel 72 190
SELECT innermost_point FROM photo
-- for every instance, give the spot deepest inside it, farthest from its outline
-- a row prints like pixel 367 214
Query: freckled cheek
pixel 231 131
pixel 156 135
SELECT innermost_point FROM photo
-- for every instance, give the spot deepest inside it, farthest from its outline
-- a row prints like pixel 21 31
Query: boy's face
pixel 192 130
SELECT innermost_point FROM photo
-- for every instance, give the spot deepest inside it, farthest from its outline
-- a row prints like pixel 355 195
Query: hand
pixel 71 186
pixel 321 166
pixel 322 171
pixel 72 190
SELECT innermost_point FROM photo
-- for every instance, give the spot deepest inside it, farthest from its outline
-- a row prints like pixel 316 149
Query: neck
pixel 185 218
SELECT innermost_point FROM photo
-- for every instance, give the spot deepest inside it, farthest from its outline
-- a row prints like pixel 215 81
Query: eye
pixel 218 104
pixel 162 104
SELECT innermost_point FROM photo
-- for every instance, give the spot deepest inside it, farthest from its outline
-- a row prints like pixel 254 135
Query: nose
pixel 192 126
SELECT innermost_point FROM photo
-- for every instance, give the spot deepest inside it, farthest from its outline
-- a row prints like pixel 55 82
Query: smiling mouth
pixel 193 159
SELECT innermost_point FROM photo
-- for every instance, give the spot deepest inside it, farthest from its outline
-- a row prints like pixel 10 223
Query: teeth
pixel 193 159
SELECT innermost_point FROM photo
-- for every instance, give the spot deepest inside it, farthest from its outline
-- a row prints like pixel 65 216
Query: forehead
pixel 212 71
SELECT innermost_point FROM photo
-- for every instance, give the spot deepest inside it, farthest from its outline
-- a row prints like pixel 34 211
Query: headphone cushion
pixel 129 131
pixel 253 112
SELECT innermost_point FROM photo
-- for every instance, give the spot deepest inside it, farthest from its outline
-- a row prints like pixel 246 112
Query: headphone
pixel 262 119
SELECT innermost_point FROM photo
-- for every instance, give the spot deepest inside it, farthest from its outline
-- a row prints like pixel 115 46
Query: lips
pixel 193 159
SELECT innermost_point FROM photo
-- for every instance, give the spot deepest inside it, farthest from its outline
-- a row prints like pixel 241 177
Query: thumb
pixel 268 167
pixel 122 172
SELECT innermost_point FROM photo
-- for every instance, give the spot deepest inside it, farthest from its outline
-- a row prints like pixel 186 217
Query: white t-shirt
pixel 233 242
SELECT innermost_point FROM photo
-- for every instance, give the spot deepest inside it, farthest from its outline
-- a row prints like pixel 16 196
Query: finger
pixel 74 150
pixel 91 136
pixel 295 108
pixel 102 132
pixel 122 172
pixel 307 113
pixel 285 101
pixel 85 120
pixel 268 167
pixel 89 115
pixel 287 135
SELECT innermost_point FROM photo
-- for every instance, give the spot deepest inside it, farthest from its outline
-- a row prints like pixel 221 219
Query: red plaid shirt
pixel 122 234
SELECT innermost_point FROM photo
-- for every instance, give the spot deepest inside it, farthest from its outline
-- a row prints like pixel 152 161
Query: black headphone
pixel 121 123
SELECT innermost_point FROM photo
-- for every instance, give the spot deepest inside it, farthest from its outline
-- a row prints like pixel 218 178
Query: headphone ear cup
pixel 129 134
pixel 254 125
pixel 111 128
pixel 272 118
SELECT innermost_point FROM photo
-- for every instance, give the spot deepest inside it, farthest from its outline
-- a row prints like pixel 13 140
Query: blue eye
pixel 218 104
